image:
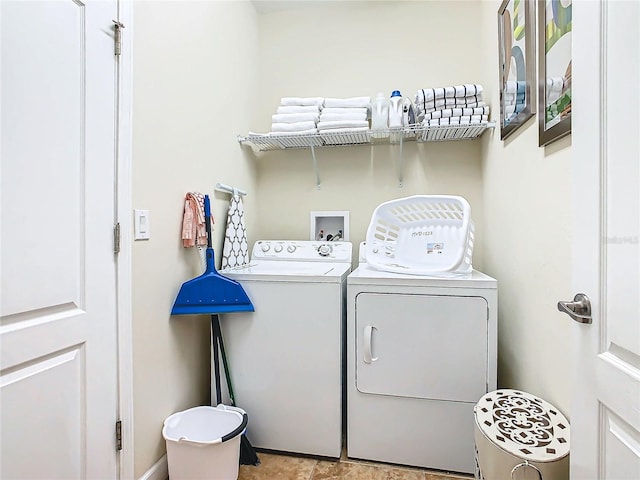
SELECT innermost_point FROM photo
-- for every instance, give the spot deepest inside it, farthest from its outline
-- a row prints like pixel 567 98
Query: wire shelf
pixel 270 141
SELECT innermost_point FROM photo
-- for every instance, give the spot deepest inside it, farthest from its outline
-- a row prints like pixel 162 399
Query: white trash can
pixel 204 442
pixel 520 437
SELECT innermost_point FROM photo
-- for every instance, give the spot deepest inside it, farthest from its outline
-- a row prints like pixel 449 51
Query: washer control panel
pixel 302 251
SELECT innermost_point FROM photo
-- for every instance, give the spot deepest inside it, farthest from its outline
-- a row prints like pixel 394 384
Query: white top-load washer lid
pixel 365 275
pixel 290 271
pixel 295 260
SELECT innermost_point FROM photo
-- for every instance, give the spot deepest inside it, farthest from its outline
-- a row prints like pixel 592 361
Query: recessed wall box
pixel 329 225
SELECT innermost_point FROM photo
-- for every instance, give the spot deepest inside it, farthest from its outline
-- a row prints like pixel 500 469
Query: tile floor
pixel 282 467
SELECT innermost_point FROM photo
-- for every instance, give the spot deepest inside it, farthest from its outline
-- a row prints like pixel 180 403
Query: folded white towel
pixel 442 103
pixel 554 89
pixel 445 121
pixel 510 87
pixel 514 88
pixel 457 112
pixel 437 99
pixel 300 132
pixel 463 120
pixel 342 124
pixel 294 117
pixel 347 102
pixel 292 127
pixel 431 108
pixel 460 91
pixel 447 112
pixel 555 83
pixel 345 130
pixel 298 109
pixel 301 101
pixel 348 110
pixel 329 117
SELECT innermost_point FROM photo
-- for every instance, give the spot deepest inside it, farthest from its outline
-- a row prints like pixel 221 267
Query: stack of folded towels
pixel 297 115
pixel 555 86
pixel 456 105
pixel 342 115
pixel 513 98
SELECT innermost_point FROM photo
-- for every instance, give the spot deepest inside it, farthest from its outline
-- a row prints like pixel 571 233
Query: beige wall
pixel 207 71
pixel 190 101
pixel 527 224
pixel 345 49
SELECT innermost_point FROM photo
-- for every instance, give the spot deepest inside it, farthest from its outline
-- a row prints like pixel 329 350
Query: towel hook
pixel 229 189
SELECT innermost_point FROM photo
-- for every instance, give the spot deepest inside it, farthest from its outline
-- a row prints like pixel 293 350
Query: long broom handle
pixel 216 359
pixel 216 321
pixel 207 220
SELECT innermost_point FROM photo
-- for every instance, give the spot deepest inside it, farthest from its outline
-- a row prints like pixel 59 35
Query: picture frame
pixel 554 70
pixel 516 57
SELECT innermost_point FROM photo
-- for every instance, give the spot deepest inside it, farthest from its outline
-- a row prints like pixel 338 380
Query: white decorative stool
pixel 520 437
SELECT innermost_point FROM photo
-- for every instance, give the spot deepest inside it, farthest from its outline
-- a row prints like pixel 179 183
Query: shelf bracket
pixel 315 166
pixel 400 161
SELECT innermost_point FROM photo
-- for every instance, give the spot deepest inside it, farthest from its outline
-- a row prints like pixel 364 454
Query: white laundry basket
pixel 519 436
pixel 421 235
pixel 204 442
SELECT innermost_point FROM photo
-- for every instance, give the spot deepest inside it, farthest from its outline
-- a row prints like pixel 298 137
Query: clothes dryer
pixel 287 357
pixel 421 352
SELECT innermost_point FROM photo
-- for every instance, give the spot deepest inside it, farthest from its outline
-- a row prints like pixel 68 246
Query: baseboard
pixel 158 471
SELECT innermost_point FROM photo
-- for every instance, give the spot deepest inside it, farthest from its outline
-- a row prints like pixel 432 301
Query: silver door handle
pixel 368 356
pixel 579 309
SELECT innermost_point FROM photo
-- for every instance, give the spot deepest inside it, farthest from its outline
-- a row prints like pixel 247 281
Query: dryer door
pixel 422 346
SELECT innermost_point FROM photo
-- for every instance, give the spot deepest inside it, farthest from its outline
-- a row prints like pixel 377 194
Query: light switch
pixel 141 225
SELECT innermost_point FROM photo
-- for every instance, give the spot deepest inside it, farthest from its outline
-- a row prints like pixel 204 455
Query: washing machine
pixel 287 358
pixel 421 352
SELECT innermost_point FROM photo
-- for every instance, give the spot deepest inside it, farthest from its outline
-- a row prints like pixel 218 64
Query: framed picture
pixel 516 47
pixel 554 70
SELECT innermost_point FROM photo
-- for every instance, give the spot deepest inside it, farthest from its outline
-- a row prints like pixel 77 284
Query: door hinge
pixel 118 26
pixel 118 435
pixel 116 238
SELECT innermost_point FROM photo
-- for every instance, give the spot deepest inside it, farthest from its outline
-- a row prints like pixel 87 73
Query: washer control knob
pixel 324 250
pixel 265 247
pixel 291 248
pixel 278 248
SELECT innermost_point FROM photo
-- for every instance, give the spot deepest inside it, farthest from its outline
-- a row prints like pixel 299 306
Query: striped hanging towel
pixel 235 251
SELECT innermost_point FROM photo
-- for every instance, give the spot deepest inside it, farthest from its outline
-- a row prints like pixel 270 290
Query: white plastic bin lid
pixel 204 425
pixel 523 425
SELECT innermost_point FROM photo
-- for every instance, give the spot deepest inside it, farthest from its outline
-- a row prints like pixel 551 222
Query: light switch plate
pixel 141 225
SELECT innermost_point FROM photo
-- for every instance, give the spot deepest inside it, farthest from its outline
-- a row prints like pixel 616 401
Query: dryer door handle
pixel 368 333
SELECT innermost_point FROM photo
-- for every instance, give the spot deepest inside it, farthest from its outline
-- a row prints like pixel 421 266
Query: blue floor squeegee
pixel 211 293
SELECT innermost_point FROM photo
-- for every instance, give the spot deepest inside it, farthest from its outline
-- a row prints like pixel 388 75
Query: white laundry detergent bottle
pixel 380 117
pixel 395 110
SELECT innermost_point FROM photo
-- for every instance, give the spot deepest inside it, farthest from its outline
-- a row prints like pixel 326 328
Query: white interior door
pixel 606 129
pixel 58 330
